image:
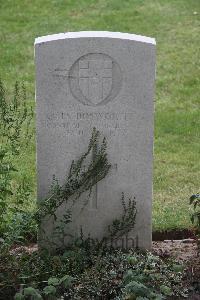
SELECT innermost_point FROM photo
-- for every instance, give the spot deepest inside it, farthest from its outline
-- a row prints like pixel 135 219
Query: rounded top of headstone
pixel 95 34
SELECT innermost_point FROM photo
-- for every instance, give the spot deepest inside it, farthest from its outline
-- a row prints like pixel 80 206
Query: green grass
pixel 176 27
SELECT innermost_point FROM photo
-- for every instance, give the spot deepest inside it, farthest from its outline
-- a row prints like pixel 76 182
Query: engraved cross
pixel 94 196
pixel 95 79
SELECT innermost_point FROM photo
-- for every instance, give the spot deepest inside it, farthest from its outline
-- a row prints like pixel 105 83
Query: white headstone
pixel 103 80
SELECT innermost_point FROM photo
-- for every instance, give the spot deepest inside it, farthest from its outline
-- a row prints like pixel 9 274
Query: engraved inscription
pixel 95 79
pixel 76 123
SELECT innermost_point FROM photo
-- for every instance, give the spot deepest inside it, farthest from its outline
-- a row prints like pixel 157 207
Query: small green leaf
pixel 53 281
pixel 49 290
pixel 30 291
pixel 166 290
pixel 66 281
pixel 177 268
pixel 132 260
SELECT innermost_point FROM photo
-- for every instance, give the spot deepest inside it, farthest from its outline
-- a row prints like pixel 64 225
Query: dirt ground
pixel 183 250
pixel 186 252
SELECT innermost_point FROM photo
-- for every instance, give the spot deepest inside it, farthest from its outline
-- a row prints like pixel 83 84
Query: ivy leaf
pixel 49 290
pixel 67 281
pixel 53 281
pixel 30 291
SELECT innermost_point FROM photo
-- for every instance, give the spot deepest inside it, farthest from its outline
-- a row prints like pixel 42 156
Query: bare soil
pixel 184 251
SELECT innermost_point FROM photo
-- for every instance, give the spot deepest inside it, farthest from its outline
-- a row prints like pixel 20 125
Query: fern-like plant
pixel 15 118
pixel 126 222
pixel 84 173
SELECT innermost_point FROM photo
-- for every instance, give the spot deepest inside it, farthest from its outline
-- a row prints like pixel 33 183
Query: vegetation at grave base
pixel 175 25
pixel 87 268
pixel 87 272
pixel 84 173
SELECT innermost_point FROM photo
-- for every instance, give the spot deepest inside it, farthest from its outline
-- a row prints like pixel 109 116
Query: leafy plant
pixel 21 228
pixel 148 278
pixel 15 119
pixel 49 290
pixel 195 201
pixel 195 217
pixel 121 226
pixel 27 293
pixel 135 289
pixel 82 177
pixel 84 173
pixel 15 116
pixel 6 169
pixel 151 278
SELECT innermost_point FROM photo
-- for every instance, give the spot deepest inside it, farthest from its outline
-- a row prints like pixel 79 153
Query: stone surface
pixel 103 80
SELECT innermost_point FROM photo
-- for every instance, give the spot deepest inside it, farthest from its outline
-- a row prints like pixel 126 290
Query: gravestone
pixel 103 80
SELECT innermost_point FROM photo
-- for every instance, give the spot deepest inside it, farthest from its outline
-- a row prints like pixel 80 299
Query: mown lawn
pixel 176 26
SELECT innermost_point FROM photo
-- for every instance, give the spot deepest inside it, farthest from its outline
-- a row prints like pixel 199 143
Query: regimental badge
pixel 95 79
